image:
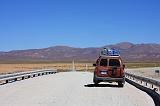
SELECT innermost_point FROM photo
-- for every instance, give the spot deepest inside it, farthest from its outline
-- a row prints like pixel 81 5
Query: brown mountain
pixel 129 52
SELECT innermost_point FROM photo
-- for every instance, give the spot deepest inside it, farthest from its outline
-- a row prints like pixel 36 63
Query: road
pixel 70 89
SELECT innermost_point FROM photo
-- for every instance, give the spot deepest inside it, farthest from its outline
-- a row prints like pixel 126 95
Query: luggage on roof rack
pixel 109 52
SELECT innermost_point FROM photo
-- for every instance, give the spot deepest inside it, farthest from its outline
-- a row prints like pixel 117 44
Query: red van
pixel 109 68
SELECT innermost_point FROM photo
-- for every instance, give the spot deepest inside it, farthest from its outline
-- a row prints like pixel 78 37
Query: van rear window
pixel 103 62
pixel 114 62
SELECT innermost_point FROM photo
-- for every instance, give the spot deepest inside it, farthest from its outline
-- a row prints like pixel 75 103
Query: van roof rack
pixel 107 52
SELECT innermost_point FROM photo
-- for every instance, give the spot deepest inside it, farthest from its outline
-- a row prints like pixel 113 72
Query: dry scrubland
pixel 144 69
pixel 142 65
pixel 9 68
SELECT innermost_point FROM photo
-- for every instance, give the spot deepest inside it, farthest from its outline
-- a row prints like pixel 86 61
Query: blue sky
pixel 26 24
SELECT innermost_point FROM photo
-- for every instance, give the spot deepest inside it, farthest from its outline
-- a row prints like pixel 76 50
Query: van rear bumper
pixel 109 79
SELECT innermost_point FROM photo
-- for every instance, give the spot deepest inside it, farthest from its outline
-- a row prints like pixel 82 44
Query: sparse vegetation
pixel 142 65
pixel 7 68
pixel 62 66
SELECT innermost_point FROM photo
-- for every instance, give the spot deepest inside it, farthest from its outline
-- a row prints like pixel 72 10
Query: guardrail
pixel 148 85
pixel 8 78
pixel 144 81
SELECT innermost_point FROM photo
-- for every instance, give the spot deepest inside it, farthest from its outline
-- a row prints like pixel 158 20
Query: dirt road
pixel 70 89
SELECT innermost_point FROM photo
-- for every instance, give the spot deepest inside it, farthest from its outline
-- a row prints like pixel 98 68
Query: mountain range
pixel 129 52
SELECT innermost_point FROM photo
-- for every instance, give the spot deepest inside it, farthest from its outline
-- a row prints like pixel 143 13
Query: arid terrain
pixel 147 72
pixel 137 68
pixel 9 68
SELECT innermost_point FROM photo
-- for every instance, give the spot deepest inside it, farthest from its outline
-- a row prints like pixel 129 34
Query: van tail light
pixel 121 72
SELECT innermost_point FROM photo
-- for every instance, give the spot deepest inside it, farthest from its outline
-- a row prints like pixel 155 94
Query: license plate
pixel 103 72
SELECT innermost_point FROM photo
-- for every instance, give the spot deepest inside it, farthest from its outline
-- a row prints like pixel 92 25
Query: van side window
pixel 114 62
pixel 103 62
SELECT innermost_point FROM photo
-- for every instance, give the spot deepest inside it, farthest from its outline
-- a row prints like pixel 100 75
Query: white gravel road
pixel 70 89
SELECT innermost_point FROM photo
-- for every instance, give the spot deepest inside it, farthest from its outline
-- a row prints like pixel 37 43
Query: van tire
pixel 120 84
pixel 95 81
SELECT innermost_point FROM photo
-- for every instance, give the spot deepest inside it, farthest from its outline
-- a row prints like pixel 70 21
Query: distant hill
pixel 129 52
